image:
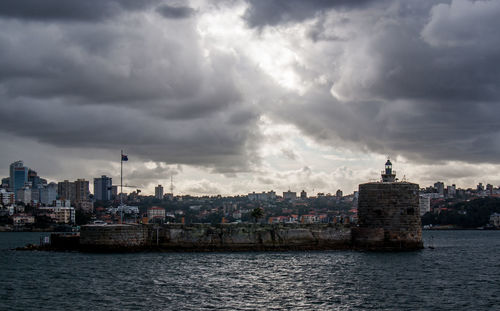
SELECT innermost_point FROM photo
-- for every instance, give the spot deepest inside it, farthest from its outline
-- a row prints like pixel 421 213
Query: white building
pixel 262 196
pixel 61 215
pixel 309 219
pixel 127 209
pixel 48 194
pixel 432 195
pixel 425 204
pixel 156 213
pixel 23 219
pixel 495 220
pixel 7 197
pixel 24 195
pixel 62 203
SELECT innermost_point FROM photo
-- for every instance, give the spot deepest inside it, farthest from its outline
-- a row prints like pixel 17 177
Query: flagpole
pixel 121 185
pixel 121 175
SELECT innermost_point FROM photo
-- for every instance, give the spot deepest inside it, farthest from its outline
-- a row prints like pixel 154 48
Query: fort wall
pixel 113 237
pixel 221 237
pixel 388 216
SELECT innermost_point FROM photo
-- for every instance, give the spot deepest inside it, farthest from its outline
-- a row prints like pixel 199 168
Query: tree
pixel 257 213
pixel 82 218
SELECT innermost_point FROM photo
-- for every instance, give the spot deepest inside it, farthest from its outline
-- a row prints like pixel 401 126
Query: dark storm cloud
pixel 422 86
pixel 263 12
pixel 140 84
pixel 411 78
pixel 169 11
pixel 87 10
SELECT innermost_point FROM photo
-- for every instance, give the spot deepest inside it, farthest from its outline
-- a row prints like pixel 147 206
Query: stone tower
pixel 388 214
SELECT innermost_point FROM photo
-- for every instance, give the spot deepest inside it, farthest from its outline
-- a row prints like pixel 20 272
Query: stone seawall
pixel 252 237
pixel 247 237
pixel 222 237
pixel 113 237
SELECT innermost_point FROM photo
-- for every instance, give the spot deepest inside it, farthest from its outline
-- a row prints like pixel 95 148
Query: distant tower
pixel 303 194
pixel 103 188
pixel 172 184
pixel 18 176
pixel 159 192
pixel 339 194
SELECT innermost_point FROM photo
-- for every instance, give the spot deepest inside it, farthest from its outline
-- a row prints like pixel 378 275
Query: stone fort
pixel 388 219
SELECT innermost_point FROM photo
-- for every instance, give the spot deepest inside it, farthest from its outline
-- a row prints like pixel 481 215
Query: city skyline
pixel 230 97
pixel 104 189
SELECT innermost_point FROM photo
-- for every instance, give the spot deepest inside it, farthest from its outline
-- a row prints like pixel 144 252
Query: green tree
pixel 257 213
pixel 82 218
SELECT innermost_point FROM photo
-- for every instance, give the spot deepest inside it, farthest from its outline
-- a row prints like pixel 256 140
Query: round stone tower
pixel 388 214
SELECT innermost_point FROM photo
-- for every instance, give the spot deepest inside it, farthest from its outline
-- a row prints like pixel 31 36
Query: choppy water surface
pixel 461 273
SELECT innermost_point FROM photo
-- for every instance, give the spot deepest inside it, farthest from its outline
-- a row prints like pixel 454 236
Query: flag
pixel 124 157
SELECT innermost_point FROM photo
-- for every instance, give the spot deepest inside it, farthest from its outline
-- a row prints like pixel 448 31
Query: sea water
pixel 461 272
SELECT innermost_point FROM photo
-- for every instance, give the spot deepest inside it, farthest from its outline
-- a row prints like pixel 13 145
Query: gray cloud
pixel 413 78
pixel 176 12
pixel 410 85
pixel 262 12
pixel 142 175
pixel 289 153
pixel 68 10
pixel 204 188
pixel 144 86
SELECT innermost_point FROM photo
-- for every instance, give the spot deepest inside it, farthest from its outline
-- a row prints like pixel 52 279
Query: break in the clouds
pixel 425 87
pixel 190 83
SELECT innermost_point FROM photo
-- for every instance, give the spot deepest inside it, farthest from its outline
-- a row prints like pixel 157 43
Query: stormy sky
pixel 233 96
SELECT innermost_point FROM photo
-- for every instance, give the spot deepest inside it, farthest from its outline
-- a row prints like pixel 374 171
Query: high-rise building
pixel 102 188
pixel 451 191
pixel 5 183
pixel 489 189
pixel 425 204
pixel 303 194
pixel 81 190
pixel 24 195
pixel 66 190
pixel 35 195
pixel 18 176
pixel 34 179
pixel 480 187
pixel 114 192
pixel 439 186
pixel 339 194
pixel 159 192
pixel 290 195
pixel 48 194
